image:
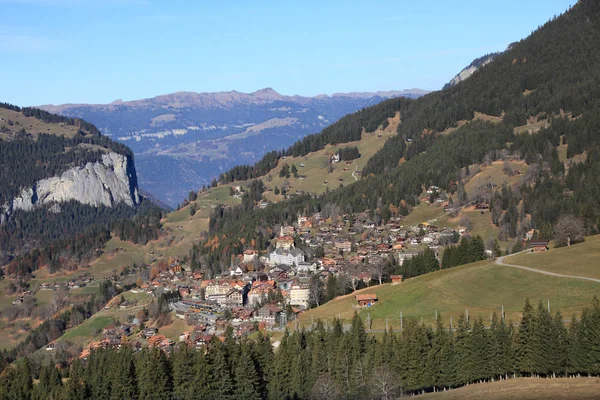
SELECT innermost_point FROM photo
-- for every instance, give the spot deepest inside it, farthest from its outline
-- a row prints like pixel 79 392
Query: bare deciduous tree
pixel 378 269
pixel 384 384
pixel 466 223
pixel 316 290
pixel 59 299
pixel 325 388
pixel 568 230
pixel 355 270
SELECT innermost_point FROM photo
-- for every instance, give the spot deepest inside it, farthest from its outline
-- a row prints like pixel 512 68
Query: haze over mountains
pixel 182 140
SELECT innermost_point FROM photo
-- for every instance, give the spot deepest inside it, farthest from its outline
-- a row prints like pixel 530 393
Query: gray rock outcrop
pixel 100 183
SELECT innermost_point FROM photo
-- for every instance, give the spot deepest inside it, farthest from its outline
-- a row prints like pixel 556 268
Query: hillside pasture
pixel 482 288
pixel 32 125
pixel 582 259
pixel 494 176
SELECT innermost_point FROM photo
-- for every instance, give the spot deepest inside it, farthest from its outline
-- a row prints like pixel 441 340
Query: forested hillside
pixel 554 69
pixel 31 153
pixel 550 76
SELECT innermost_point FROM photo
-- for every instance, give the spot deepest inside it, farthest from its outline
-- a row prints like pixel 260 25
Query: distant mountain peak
pixel 266 90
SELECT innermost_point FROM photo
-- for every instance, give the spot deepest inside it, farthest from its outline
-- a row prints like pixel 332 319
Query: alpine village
pixel 437 245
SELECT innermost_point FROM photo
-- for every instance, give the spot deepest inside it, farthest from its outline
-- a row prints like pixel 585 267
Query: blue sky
pixel 97 51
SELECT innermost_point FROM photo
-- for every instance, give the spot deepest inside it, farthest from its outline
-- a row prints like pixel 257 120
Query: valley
pixel 367 245
pixel 182 140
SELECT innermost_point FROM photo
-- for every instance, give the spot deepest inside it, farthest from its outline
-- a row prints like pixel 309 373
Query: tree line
pixel 329 362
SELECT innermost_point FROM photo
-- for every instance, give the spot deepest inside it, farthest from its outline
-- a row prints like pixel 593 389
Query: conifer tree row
pixel 329 363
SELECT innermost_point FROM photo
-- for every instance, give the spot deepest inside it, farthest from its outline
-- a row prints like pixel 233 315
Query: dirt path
pixel 355 169
pixel 500 261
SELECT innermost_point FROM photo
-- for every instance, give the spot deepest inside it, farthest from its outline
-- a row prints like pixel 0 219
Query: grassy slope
pixel 494 174
pixel 173 330
pixel 32 125
pixel 579 260
pixel 481 287
pixel 315 164
pixel 87 331
pixel 525 389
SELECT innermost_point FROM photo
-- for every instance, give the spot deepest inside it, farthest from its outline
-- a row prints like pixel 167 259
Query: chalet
pixel 344 245
pixel 285 242
pixel 538 245
pixel 366 300
pixel 250 255
pixel 84 355
pixel 156 340
pixel 383 248
pixel 482 206
pixel 287 230
pixel 202 340
pixel 149 332
pixel 268 314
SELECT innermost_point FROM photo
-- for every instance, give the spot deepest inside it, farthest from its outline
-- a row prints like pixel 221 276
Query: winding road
pixel 500 261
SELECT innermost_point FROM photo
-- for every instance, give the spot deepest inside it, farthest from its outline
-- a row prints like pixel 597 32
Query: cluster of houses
pixel 77 283
pixel 267 289
pixel 280 276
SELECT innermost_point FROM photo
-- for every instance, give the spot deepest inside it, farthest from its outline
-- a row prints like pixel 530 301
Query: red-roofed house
pixel 366 300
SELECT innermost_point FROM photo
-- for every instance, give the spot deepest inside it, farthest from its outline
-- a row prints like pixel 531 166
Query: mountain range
pixel 183 140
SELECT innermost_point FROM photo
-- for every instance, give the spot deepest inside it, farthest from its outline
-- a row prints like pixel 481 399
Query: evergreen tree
pixel 154 380
pixel 247 381
pixel 123 378
pixel 331 289
pixel 525 341
pixel 184 363
pixel 223 383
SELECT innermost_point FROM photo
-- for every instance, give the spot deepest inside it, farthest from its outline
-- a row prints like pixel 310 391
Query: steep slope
pixel 183 140
pixel 552 74
pixel 58 176
pixel 46 168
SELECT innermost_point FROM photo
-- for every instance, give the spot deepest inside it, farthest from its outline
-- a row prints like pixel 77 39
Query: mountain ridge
pixel 183 140
pixel 261 96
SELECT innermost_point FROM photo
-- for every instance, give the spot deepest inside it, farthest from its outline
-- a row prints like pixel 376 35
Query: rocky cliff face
pixel 471 68
pixel 107 183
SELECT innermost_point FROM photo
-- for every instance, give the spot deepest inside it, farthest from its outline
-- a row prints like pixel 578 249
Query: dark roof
pixel 536 243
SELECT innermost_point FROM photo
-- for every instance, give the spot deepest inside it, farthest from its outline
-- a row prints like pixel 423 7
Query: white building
pixel 286 257
pixel 250 255
pixel 306 267
pixel 299 295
